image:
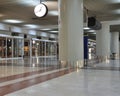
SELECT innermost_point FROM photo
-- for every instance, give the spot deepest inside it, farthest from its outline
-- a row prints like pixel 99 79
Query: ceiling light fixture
pixel 45 29
pixel 31 26
pixel 86 28
pixel 91 31
pixel 12 21
pixel 53 31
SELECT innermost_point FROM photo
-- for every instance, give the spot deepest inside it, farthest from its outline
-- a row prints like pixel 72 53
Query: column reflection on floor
pixel 105 65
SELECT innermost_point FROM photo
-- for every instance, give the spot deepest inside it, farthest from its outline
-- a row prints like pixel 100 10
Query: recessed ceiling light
pixel 31 26
pixel 53 31
pixel 86 28
pixel 91 31
pixel 46 29
pixel 32 32
pixel 12 21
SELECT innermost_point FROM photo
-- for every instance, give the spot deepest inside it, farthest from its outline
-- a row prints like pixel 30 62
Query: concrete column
pixel 71 31
pixel 119 48
pixel 103 41
pixel 115 43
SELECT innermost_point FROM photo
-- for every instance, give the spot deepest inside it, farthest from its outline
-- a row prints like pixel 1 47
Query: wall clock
pixel 41 10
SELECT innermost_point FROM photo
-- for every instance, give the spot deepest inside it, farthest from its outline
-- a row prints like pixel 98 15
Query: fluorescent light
pixel 53 13
pixel 44 34
pixel 53 36
pixel 31 26
pixel 46 29
pixel 54 31
pixel 32 32
pixel 86 28
pixel 12 21
pixel 91 31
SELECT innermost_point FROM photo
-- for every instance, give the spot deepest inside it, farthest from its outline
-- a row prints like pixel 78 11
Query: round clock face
pixel 41 10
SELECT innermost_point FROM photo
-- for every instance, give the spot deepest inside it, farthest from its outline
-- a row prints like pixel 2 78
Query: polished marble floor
pixel 18 66
pixel 96 80
pixel 106 65
pixel 83 82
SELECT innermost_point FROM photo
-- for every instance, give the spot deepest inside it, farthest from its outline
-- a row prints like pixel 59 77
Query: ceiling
pixel 104 10
pixel 23 10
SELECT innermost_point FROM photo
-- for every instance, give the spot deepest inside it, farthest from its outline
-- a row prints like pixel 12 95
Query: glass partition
pixel 17 47
pixel 33 47
pixel 27 48
pixel 20 47
pixel 2 47
pixel 41 47
pixel 44 48
pixel 13 47
pixel 47 49
pixel 9 47
pixel 37 48
pixel 53 48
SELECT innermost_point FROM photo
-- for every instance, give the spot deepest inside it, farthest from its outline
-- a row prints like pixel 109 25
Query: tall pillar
pixel 115 43
pixel 119 48
pixel 71 31
pixel 103 41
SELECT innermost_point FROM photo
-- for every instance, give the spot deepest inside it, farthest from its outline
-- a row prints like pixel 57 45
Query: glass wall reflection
pixel 15 46
pixel 2 47
pixel 27 48
pixel 11 46
pixel 44 48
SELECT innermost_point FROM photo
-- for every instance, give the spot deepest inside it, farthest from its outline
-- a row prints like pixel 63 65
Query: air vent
pixel 93 23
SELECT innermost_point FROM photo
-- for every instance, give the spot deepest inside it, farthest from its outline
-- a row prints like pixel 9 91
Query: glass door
pixel 2 47
pixel 17 47
pixel 42 48
pixel 9 47
pixel 27 48
pixel 35 48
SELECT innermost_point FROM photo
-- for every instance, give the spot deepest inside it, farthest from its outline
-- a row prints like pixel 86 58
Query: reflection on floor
pixel 107 65
pixel 44 81
pixel 18 66
pixel 21 73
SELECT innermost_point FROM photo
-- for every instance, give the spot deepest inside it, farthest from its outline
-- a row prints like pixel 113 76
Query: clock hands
pixel 39 10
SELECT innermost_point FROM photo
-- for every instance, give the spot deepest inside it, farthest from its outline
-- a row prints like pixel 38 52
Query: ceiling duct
pixel 94 24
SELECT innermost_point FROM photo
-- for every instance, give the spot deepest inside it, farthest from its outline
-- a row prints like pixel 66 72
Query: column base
pixel 73 64
pixel 114 56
